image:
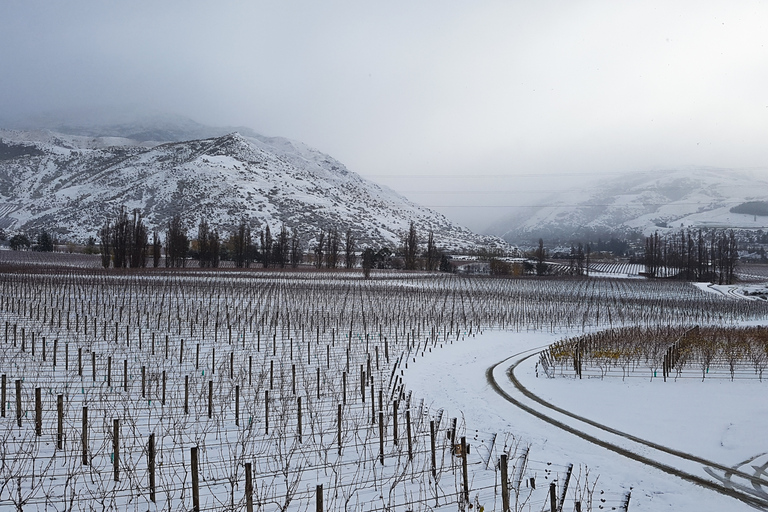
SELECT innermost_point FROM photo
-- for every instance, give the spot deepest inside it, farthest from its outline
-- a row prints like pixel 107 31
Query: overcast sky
pixel 488 97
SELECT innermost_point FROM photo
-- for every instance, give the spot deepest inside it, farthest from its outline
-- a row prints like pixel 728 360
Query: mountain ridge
pixel 640 204
pixel 72 184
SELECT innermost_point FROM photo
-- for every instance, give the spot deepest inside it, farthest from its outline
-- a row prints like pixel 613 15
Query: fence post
pixel 464 457
pixel 210 399
pixel 2 393
pixel 84 436
pixel 552 497
pixel 60 422
pixel 151 467
pixel 432 446
pixel 38 413
pixel 504 484
pixel 381 437
pixel 237 406
pixel 266 411
pixel 298 426
pixel 18 402
pixel 116 448
pixel 319 498
pixel 338 422
pixel 195 482
pixel 394 421
pixel 248 488
pixel 408 432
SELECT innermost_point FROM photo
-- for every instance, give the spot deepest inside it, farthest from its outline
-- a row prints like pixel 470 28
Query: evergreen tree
pixel 44 242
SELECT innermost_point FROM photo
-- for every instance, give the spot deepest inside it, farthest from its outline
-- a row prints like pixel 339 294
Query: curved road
pixel 726 480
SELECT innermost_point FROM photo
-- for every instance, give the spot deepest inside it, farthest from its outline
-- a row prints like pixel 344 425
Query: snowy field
pixel 717 419
pixel 271 391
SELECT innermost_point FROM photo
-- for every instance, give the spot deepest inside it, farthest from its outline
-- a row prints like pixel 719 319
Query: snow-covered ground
pixel 717 419
pixel 271 360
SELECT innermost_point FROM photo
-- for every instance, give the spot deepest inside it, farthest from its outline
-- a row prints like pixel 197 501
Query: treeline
pixel 124 243
pixel 693 255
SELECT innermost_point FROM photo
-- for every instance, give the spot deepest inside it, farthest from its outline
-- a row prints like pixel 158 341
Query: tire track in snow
pixel 755 499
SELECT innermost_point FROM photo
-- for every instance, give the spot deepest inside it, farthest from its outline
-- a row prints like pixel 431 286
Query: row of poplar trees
pixel 693 255
pixel 125 243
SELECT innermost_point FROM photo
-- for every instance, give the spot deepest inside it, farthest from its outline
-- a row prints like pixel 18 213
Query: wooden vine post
pixel 151 466
pixel 464 457
pixel 18 402
pixel 248 488
pixel 504 484
pixel 195 481
pixel 116 448
pixel 38 413
pixel 84 436
pixel 60 422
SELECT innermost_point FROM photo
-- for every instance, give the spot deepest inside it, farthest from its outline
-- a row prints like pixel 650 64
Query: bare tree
pixel 410 244
pixel 432 254
pixel 139 241
pixel 280 251
pixel 349 250
pixel 156 249
pixel 176 243
pixel 105 244
pixel 333 248
pixel 541 254
pixel 266 247
pixel 296 253
pixel 121 240
pixel 319 249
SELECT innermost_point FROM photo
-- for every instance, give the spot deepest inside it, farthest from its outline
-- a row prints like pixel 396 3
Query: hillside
pixel 641 203
pixel 71 184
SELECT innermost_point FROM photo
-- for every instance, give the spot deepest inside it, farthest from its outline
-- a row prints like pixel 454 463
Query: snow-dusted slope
pixel 71 184
pixel 645 202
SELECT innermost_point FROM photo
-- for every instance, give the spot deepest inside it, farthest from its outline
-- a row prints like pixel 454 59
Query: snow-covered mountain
pixel 642 203
pixel 71 184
